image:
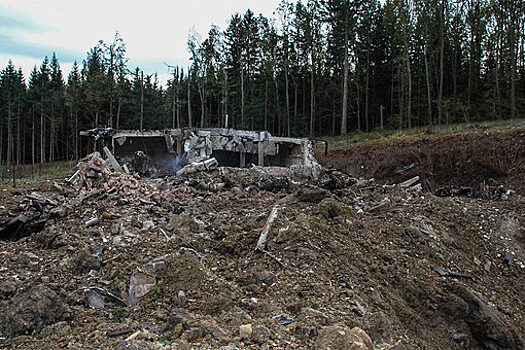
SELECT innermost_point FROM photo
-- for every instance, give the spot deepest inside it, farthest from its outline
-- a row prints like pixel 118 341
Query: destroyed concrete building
pixel 190 149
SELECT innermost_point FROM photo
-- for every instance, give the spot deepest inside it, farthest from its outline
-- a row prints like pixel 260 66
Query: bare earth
pixel 349 264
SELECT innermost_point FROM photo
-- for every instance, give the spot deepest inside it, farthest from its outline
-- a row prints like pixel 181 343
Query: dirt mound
pixel 31 311
pixel 481 161
pixel 348 263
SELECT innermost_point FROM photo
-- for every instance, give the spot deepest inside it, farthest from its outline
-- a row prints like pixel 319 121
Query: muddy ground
pixel 349 263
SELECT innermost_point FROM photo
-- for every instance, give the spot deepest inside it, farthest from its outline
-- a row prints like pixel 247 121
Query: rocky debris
pixel 8 289
pixel 144 280
pixel 205 165
pixel 29 260
pixel 311 194
pixel 245 331
pixel 94 299
pixel 59 329
pixel 30 311
pixel 119 331
pixel 171 263
pixel 484 322
pixel 341 337
pixel 333 179
pixel 85 261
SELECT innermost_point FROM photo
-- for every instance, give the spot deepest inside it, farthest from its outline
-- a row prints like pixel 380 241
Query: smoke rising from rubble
pixel 171 163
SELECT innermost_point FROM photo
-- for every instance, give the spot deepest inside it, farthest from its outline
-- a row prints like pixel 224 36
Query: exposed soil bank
pixel 475 159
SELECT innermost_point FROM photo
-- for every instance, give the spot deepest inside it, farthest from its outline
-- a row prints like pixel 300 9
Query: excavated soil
pixel 349 263
pixel 480 160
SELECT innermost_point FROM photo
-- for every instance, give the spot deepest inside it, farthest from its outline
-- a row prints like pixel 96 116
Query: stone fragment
pixel 245 331
pixel 341 337
pixel 31 311
pixel 29 260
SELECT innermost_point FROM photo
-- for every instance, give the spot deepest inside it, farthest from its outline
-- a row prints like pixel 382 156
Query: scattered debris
pixel 32 310
pixel 170 259
pixel 261 243
pixel 444 273
pixel 409 182
pixel 509 258
pixel 283 319
pixel 119 332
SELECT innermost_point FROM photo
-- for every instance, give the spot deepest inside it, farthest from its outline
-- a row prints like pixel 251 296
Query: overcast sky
pixel 155 31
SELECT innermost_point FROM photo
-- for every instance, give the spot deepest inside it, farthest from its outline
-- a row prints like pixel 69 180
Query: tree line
pixel 324 67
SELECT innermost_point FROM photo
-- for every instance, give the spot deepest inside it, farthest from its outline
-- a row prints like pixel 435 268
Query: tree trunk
pixel 203 103
pixel 111 105
pixel 177 102
pixel 242 98
pixel 52 130
pixel 332 133
pixel 141 101
pixel 18 135
pixel 33 147
pixel 312 99
pixel 513 54
pixel 277 108
pixel 401 92
pixel 9 137
pixel 344 115
pixel 77 145
pixel 441 68
pixel 429 88
pixel 367 129
pixel 174 111
pixel 409 76
pixel 287 97
pixel 266 106
pixel 42 128
pixel 295 110
pixel 119 106
pixel 189 100
pixel 496 82
pixel 226 97
pixel 358 103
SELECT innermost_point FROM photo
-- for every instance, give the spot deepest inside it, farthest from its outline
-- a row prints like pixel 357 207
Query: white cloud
pixel 154 30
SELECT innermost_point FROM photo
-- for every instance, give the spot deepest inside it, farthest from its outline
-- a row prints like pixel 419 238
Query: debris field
pixel 259 258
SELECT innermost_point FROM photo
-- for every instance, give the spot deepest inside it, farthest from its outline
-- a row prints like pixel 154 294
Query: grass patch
pixel 336 142
pixel 28 174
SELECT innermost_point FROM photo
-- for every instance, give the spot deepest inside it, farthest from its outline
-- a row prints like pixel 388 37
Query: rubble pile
pixel 259 258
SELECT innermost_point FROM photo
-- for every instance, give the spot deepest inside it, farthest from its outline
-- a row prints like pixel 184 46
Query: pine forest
pixel 323 67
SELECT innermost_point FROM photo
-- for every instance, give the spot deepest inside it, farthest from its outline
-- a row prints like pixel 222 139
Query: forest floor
pixel 351 262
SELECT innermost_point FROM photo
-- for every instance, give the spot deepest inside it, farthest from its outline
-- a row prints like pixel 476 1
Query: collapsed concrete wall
pixel 175 148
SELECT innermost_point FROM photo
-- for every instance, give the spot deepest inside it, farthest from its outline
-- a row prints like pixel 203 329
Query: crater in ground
pixel 478 160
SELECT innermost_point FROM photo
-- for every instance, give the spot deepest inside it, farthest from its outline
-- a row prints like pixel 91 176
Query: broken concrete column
pixel 207 164
pixel 116 166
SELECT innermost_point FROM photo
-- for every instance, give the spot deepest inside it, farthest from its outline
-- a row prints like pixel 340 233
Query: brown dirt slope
pixel 473 159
